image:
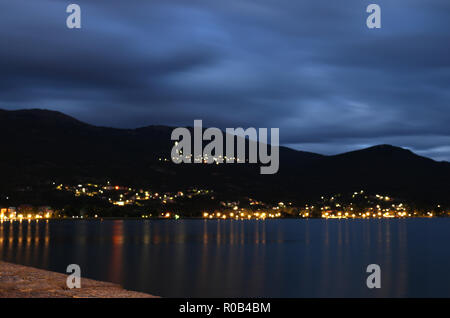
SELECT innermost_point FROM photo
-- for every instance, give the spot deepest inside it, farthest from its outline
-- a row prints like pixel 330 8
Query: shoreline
pixel 18 281
pixel 100 219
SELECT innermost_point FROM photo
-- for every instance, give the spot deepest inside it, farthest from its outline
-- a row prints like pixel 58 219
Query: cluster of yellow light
pixel 241 215
pixel 20 217
pixel 384 198
pixel 129 196
pixel 340 215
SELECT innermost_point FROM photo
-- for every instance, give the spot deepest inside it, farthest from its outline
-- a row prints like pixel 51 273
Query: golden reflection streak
pixel 115 268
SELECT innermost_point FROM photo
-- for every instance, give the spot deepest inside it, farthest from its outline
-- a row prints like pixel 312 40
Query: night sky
pixel 310 67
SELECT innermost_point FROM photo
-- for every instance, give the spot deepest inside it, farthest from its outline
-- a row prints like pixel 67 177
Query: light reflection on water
pixel 217 258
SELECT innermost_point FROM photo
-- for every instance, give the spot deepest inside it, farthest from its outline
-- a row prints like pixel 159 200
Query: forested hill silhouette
pixel 41 146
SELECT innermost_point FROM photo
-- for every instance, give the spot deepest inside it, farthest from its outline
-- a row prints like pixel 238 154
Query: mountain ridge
pixel 43 146
pixel 46 113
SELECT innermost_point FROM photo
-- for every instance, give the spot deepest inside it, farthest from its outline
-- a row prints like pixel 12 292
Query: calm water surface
pixel 273 258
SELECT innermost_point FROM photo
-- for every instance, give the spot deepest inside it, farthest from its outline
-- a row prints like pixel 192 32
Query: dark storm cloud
pixel 311 68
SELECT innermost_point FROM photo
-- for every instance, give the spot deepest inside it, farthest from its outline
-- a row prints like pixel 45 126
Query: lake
pixel 228 258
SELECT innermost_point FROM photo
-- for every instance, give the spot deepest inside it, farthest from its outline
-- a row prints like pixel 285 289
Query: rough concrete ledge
pixel 17 281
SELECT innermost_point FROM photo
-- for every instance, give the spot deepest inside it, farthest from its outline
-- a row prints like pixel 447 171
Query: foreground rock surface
pixel 17 281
